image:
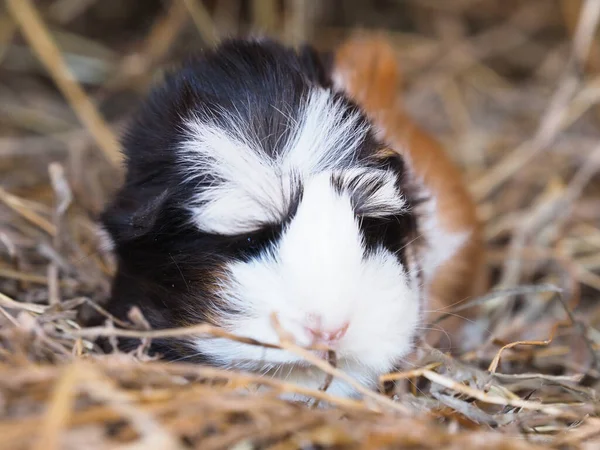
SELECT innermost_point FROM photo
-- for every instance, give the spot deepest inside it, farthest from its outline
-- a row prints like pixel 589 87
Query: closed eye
pixel 251 244
pixel 373 192
pixel 390 232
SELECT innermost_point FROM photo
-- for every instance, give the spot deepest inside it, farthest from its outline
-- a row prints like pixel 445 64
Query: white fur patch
pixel 442 245
pixel 105 241
pixel 374 191
pixel 319 268
pixel 250 189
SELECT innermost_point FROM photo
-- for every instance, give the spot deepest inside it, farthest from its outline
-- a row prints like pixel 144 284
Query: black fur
pixel 395 231
pixel 165 265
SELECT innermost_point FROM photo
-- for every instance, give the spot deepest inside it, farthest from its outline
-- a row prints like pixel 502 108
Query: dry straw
pixel 512 89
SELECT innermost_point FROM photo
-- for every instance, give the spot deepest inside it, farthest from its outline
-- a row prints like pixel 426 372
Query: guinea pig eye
pixel 252 244
pixel 249 246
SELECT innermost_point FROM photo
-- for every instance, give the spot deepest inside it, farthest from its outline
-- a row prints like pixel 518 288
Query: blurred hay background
pixel 512 87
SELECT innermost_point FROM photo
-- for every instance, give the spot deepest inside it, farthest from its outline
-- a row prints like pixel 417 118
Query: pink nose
pixel 322 336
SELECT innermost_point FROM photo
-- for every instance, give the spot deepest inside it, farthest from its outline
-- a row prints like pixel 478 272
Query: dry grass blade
pixel 153 434
pixel 7 29
pixel 554 119
pixel 29 277
pixel 414 373
pixel 9 303
pixel 494 296
pixel 552 410
pixel 17 205
pixel 203 21
pixel 326 367
pixel 162 35
pixel 586 30
pixel 494 364
pixel 264 14
pixel 194 330
pixel 32 26
pixel 59 411
pixel 286 343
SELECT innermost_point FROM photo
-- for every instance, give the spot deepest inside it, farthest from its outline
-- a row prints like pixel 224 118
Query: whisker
pixel 437 329
pixel 458 302
pixel 411 241
pixel 466 319
pixel 193 355
pixel 180 272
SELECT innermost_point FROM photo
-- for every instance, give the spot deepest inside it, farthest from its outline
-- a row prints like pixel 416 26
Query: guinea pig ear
pixel 130 217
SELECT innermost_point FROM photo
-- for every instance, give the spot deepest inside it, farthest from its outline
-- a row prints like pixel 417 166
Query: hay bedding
pixel 511 87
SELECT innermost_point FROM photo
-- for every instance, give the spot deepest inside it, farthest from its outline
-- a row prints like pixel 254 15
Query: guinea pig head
pixel 253 189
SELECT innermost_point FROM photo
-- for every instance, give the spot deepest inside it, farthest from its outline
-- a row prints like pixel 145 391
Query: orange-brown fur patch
pixel 367 70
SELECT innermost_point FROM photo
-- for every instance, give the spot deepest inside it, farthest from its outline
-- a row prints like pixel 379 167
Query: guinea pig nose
pixel 327 336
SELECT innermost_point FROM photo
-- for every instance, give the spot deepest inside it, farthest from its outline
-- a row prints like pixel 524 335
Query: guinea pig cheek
pixel 385 321
pixel 253 292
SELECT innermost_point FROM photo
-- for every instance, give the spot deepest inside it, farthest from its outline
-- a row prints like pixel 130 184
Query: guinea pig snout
pixel 320 334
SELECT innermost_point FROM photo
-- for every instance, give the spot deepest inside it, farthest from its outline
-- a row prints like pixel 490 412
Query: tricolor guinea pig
pixel 266 180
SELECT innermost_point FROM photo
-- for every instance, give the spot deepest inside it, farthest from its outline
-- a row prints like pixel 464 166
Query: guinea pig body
pixel 257 185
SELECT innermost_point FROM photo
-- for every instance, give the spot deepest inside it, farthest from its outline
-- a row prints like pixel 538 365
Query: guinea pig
pixel 263 180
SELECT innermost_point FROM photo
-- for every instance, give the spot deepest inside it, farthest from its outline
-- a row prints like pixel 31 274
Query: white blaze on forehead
pixel 249 188
pixel 323 242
